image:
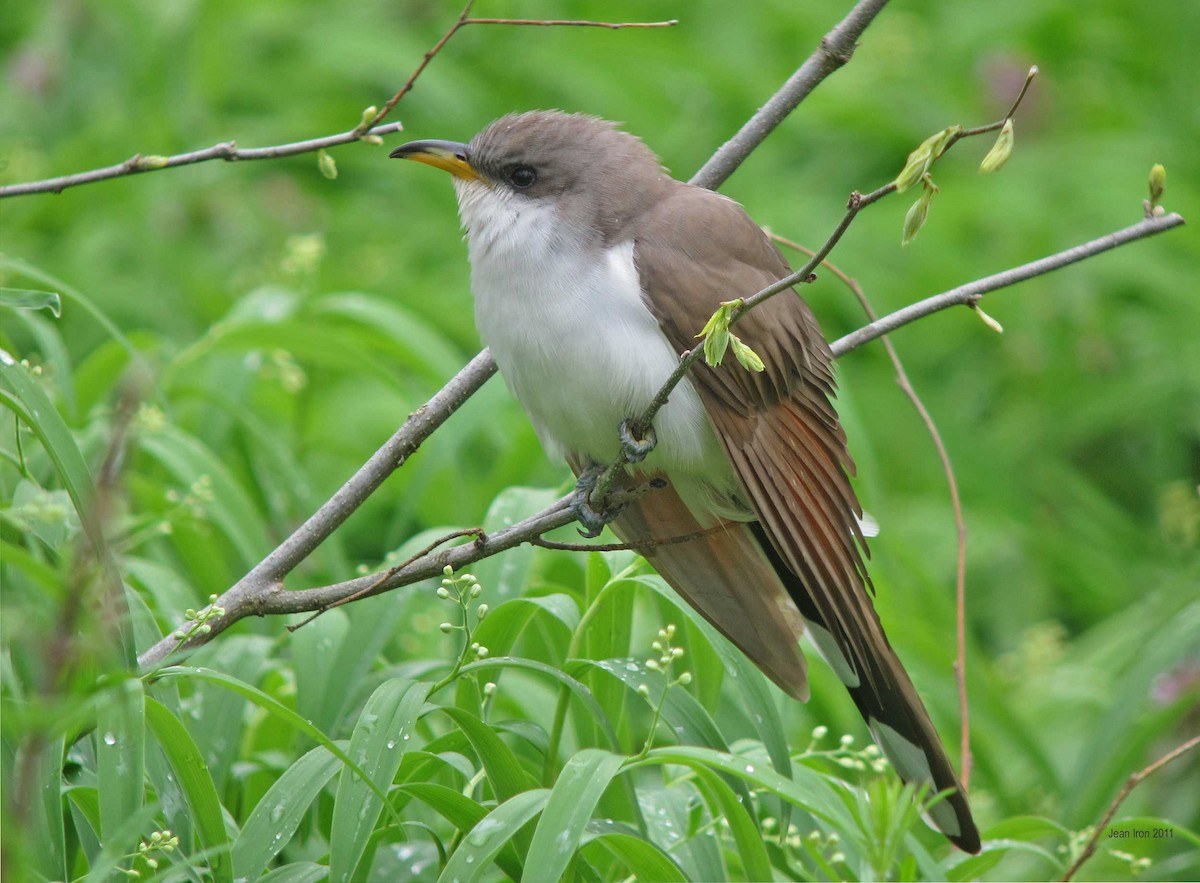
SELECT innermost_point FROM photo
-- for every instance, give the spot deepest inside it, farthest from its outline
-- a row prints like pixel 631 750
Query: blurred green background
pixel 294 321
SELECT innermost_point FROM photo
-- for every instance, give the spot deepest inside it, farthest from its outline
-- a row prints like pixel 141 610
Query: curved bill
pixel 450 156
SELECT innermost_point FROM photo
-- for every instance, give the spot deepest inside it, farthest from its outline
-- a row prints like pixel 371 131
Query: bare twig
pixel 854 206
pixel 835 50
pixel 973 291
pixel 370 128
pixel 268 575
pixel 572 23
pixel 244 598
pixel 226 150
pixel 261 591
pixel 960 526
pixel 1132 782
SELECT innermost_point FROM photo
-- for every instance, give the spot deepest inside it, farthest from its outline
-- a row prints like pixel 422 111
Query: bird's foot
pixel 593 519
pixel 636 445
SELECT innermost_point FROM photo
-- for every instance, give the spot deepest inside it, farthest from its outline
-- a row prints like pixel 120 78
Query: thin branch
pixel 834 51
pixel 1132 782
pixel 960 526
pixel 573 23
pixel 369 129
pixel 267 576
pixel 973 291
pixel 999 124
pixel 226 150
pixel 261 591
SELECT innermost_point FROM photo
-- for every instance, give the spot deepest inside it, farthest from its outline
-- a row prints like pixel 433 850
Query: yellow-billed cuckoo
pixel 592 270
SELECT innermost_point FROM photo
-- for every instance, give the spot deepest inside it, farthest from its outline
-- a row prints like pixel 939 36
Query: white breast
pixel 572 335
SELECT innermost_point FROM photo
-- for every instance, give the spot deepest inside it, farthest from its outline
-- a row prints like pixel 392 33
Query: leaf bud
pixel 1001 150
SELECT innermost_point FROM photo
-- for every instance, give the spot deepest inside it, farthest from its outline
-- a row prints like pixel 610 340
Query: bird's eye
pixel 522 176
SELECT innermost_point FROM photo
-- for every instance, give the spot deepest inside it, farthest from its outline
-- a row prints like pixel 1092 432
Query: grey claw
pixel 592 519
pixel 635 448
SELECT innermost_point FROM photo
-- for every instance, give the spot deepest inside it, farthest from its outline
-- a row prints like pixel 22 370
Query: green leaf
pixel 590 705
pixel 271 706
pixel 1001 150
pixel 746 357
pixel 573 799
pixel 278 814
pixel 70 293
pixel 29 402
pixel 465 814
pixel 505 623
pixel 685 716
pixel 231 509
pixel 504 771
pixel 918 212
pixel 644 860
pixel 297 872
pixel 192 774
pixel 732 807
pixel 327 165
pixel 806 789
pixel 117 845
pixel 31 299
pixel 46 844
pixel 120 757
pixel 377 745
pixel 480 847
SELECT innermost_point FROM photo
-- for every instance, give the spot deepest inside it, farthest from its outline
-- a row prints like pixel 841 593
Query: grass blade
pixel 578 789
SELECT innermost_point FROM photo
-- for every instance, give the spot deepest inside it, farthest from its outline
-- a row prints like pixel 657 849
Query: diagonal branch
pixel 1132 782
pixel 247 595
pixel 973 291
pixel 261 591
pixel 835 50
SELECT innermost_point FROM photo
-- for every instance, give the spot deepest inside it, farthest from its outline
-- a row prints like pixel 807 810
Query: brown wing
pixel 787 448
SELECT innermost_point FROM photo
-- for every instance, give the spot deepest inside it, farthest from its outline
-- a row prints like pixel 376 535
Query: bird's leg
pixel 592 519
pixel 636 441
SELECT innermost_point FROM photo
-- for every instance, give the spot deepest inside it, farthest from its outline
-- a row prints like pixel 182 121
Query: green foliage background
pixel 291 322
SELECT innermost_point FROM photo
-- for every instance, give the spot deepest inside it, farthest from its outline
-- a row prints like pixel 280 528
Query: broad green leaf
pixel 46 846
pixel 271 706
pixel 312 648
pixel 410 339
pixel 506 576
pixel 504 624
pixel 464 813
pixel 685 717
pixel 231 508
pixel 504 771
pixel 470 861
pixel 192 775
pixel 297 872
pixel 377 745
pixel 590 705
pixel 120 756
pixel 747 834
pixel 279 812
pixel 807 789
pixel 644 860
pixel 572 800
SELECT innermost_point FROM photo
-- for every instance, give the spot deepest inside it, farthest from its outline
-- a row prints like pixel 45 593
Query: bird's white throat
pixel 569 328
